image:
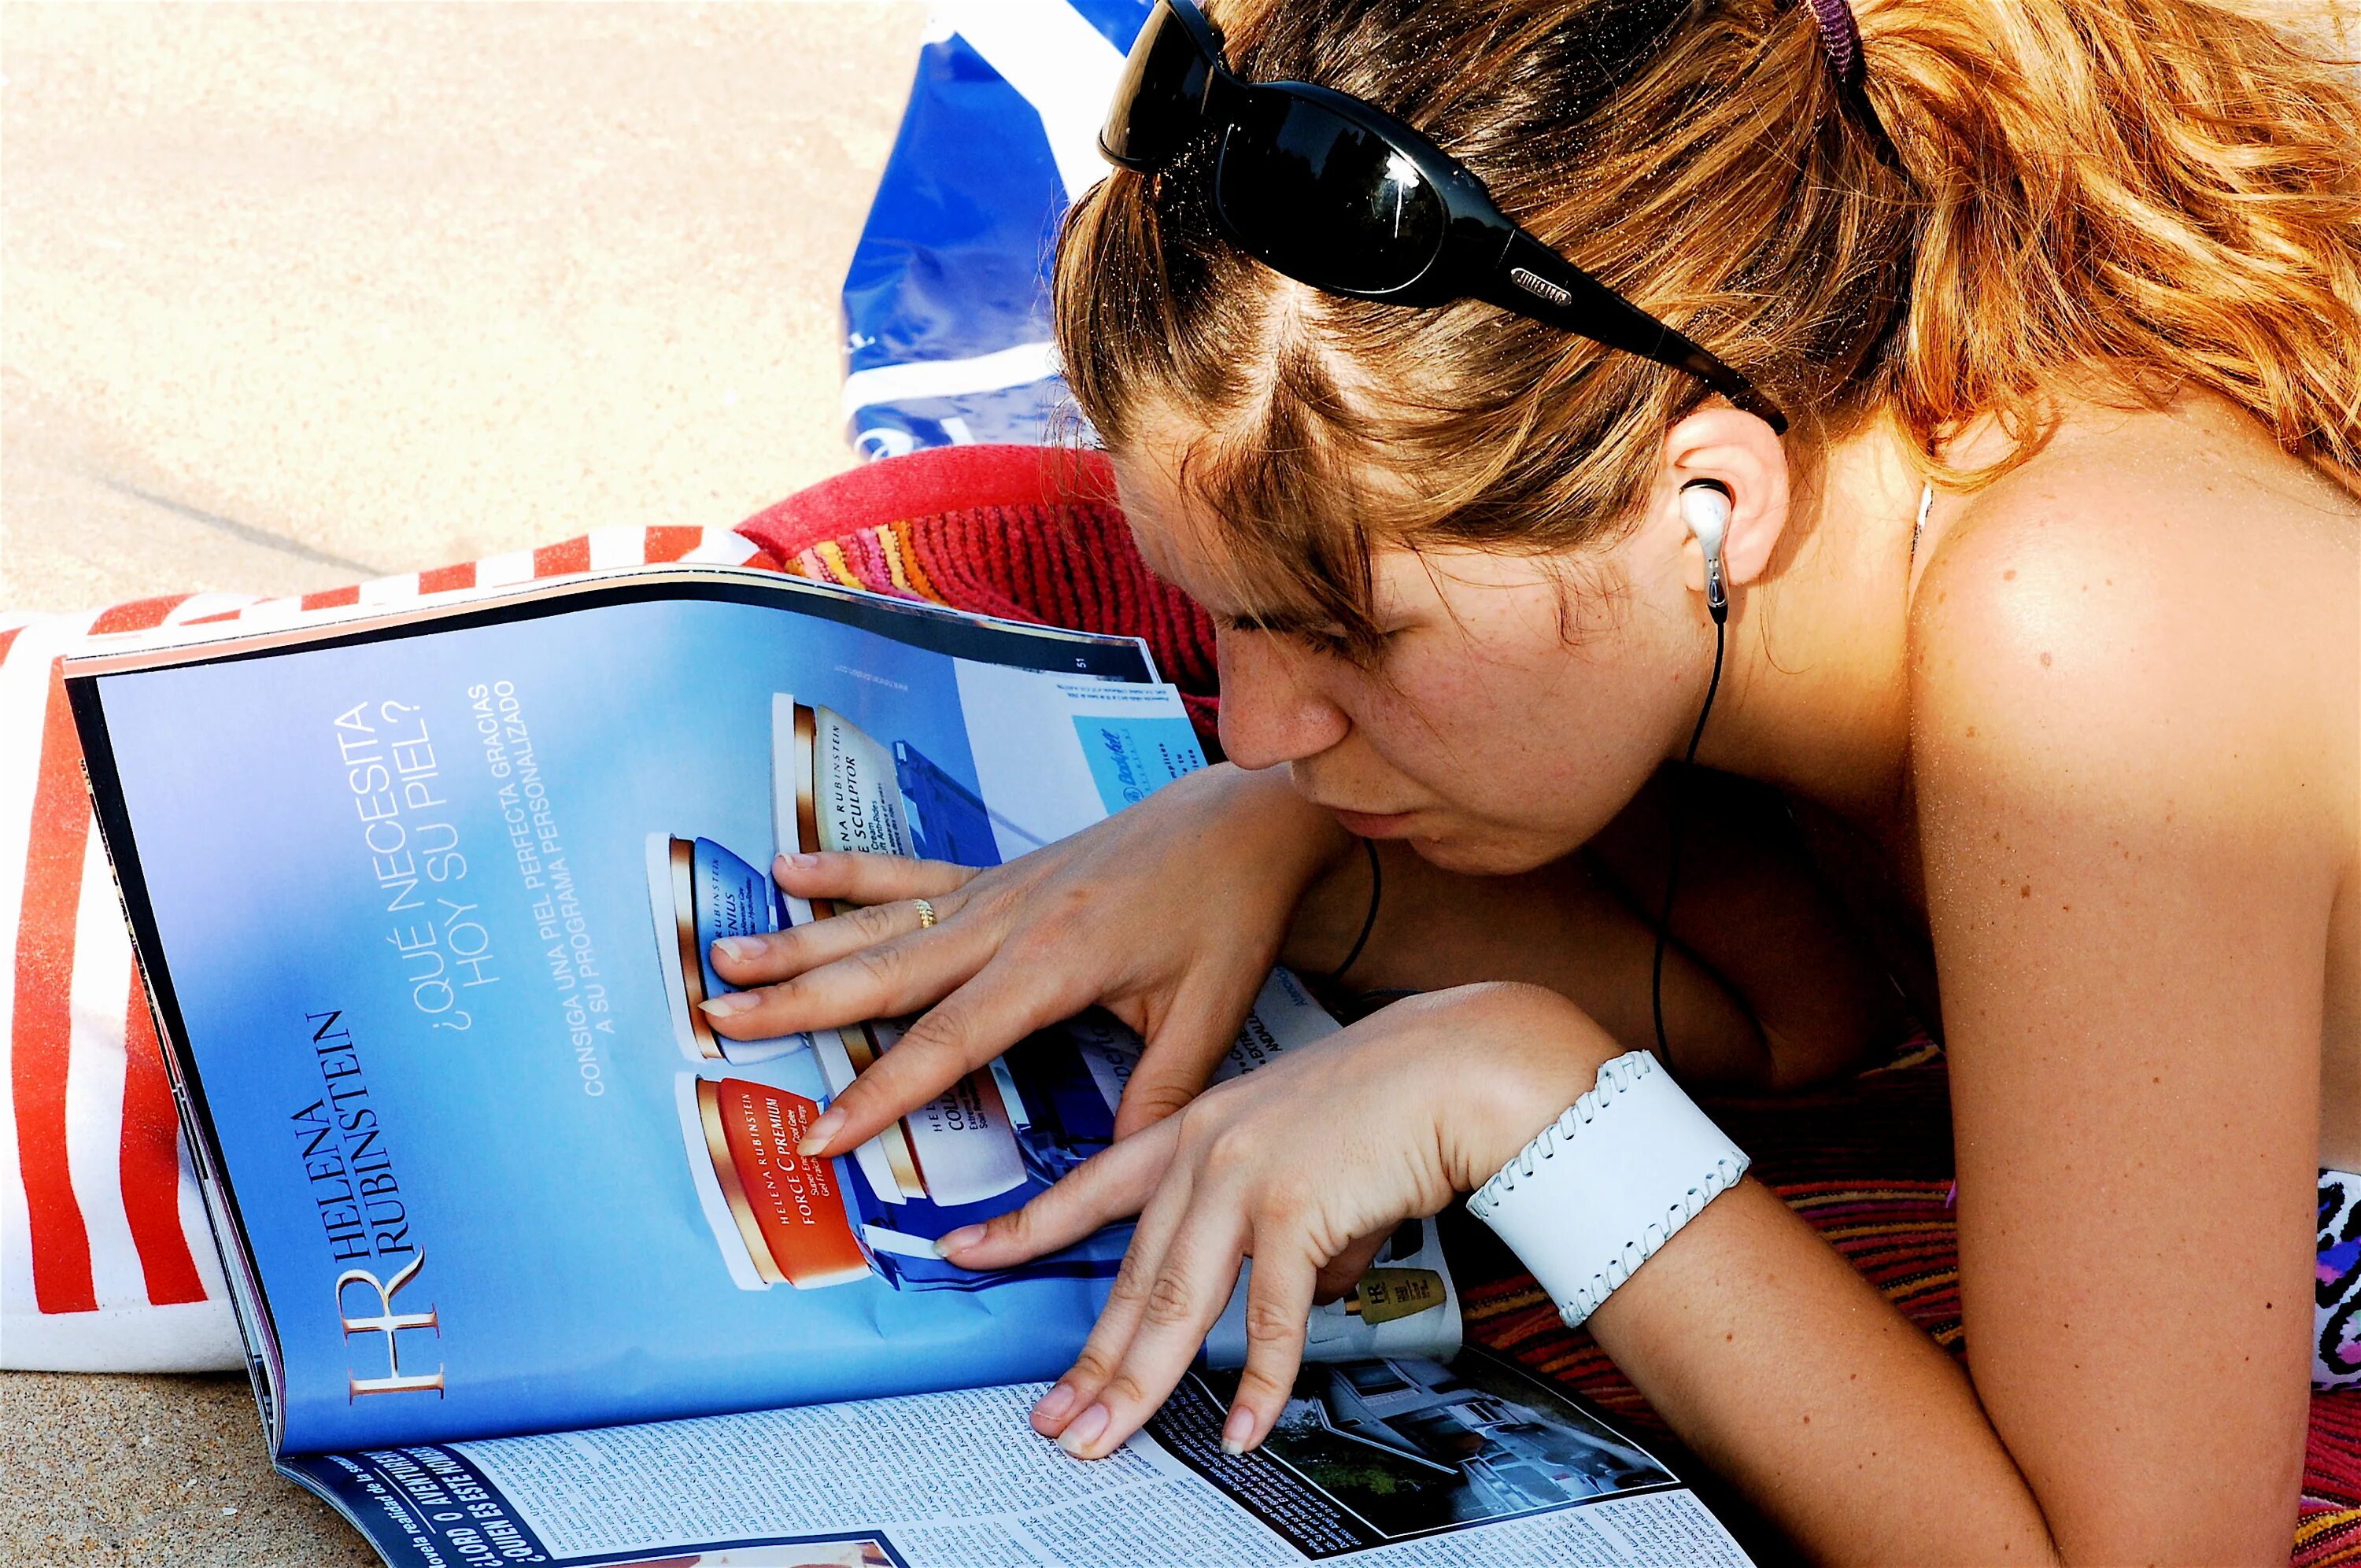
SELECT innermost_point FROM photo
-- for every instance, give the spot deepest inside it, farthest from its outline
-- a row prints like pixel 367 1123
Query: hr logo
pixel 390 1323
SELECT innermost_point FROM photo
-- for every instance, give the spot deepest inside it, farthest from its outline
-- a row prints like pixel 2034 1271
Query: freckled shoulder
pixel 2155 602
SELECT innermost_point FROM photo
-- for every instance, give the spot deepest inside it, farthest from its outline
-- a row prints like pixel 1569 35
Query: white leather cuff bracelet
pixel 1602 1188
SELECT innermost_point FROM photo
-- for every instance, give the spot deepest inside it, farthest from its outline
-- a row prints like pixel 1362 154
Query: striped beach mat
pixel 105 1260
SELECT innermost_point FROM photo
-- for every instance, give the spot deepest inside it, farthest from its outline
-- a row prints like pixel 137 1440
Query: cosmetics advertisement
pixel 435 906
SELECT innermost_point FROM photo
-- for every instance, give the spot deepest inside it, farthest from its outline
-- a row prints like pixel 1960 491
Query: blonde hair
pixel 2130 196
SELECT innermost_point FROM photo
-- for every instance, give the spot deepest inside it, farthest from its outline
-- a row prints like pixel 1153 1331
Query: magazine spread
pixel 1404 1461
pixel 424 902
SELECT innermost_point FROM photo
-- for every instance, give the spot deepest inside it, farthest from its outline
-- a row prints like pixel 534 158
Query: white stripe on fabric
pixel 193 1336
pixel 272 611
pixel 725 547
pixel 94 1069
pixel 197 605
pixel 1060 63
pixel 23 707
pixel 1017 366
pixel 613 547
pixel 500 571
pixel 390 590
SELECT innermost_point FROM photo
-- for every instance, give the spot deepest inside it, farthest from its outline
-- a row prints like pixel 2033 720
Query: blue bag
pixel 946 303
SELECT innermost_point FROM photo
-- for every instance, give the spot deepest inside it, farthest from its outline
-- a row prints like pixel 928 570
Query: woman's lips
pixel 1374 824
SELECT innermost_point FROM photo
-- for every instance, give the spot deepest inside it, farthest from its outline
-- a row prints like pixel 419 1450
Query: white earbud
pixel 1705 507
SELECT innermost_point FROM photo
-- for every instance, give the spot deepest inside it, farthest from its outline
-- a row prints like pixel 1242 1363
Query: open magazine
pixel 527 1263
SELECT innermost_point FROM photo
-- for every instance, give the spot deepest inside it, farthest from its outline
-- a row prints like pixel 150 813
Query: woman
pixel 2036 715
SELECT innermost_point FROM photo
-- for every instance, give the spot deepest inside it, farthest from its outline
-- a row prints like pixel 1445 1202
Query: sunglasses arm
pixel 1531 280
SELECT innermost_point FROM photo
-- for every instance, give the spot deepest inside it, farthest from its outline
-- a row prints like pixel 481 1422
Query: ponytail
pixel 2141 196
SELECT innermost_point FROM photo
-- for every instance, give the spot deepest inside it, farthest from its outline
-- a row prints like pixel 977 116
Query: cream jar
pixel 699 892
pixel 788 1219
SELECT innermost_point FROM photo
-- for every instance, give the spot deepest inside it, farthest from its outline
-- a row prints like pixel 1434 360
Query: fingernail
pixel 739 948
pixel 957 1241
pixel 1238 1432
pixel 816 1136
pixel 728 1003
pixel 1087 1429
pixel 1054 1405
pixel 798 862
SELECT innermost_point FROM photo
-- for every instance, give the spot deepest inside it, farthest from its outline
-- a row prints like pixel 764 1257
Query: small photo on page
pixel 835 786
pixel 1369 1453
pixel 990 1144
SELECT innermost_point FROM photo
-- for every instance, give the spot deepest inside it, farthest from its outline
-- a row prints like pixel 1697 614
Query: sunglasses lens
pixel 1158 98
pixel 1322 200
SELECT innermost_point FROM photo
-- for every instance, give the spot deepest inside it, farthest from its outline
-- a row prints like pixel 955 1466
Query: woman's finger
pixel 850 878
pixel 967 1028
pixel 763 958
pixel 1192 1282
pixel 1341 1273
pixel 1183 1047
pixel 1078 1389
pixel 1111 1185
pixel 886 980
pixel 1278 1308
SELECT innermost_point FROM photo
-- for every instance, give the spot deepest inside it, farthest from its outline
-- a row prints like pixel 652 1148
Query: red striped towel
pixel 106 1261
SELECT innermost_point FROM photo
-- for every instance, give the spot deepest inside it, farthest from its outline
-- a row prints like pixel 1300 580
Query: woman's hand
pixel 1293 1165
pixel 1168 915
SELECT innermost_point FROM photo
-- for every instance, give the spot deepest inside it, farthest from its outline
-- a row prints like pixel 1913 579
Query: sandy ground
pixel 297 294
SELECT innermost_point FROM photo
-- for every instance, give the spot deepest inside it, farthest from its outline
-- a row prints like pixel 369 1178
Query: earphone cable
pixel 1673 847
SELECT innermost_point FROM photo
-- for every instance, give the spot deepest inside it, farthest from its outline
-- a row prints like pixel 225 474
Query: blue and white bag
pixel 946 304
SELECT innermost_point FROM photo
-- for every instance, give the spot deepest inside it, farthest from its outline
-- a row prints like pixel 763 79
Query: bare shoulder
pixel 2156 606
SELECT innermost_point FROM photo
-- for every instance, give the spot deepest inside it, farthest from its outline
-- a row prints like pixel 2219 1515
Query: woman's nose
pixel 1270 712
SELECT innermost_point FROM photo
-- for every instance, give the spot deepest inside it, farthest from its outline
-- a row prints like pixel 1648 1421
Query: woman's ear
pixel 1739 450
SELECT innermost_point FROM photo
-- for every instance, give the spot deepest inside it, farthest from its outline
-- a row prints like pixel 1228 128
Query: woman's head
pixel 1502 704
pixel 2135 194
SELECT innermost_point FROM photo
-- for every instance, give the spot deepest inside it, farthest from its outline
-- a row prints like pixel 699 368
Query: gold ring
pixel 925 912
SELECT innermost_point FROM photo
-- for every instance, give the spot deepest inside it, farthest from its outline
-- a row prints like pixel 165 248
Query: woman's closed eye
pixel 1328 641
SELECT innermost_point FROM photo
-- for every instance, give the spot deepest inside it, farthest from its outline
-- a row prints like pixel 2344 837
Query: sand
pixel 295 294
pixel 298 294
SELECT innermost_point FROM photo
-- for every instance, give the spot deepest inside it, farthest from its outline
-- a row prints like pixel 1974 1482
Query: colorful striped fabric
pixel 106 1261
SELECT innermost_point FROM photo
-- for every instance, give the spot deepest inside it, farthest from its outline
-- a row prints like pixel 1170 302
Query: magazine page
pixel 425 908
pixel 1403 1462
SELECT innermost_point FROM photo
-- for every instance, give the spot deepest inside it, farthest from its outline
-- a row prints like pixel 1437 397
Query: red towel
pixel 1030 532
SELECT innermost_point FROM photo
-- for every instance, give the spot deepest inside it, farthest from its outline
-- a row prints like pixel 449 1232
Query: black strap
pixel 1368 921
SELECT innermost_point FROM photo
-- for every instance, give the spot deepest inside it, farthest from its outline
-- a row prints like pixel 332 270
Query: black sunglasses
pixel 1333 192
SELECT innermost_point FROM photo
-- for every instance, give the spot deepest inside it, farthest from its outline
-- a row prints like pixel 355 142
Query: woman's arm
pixel 2130 809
